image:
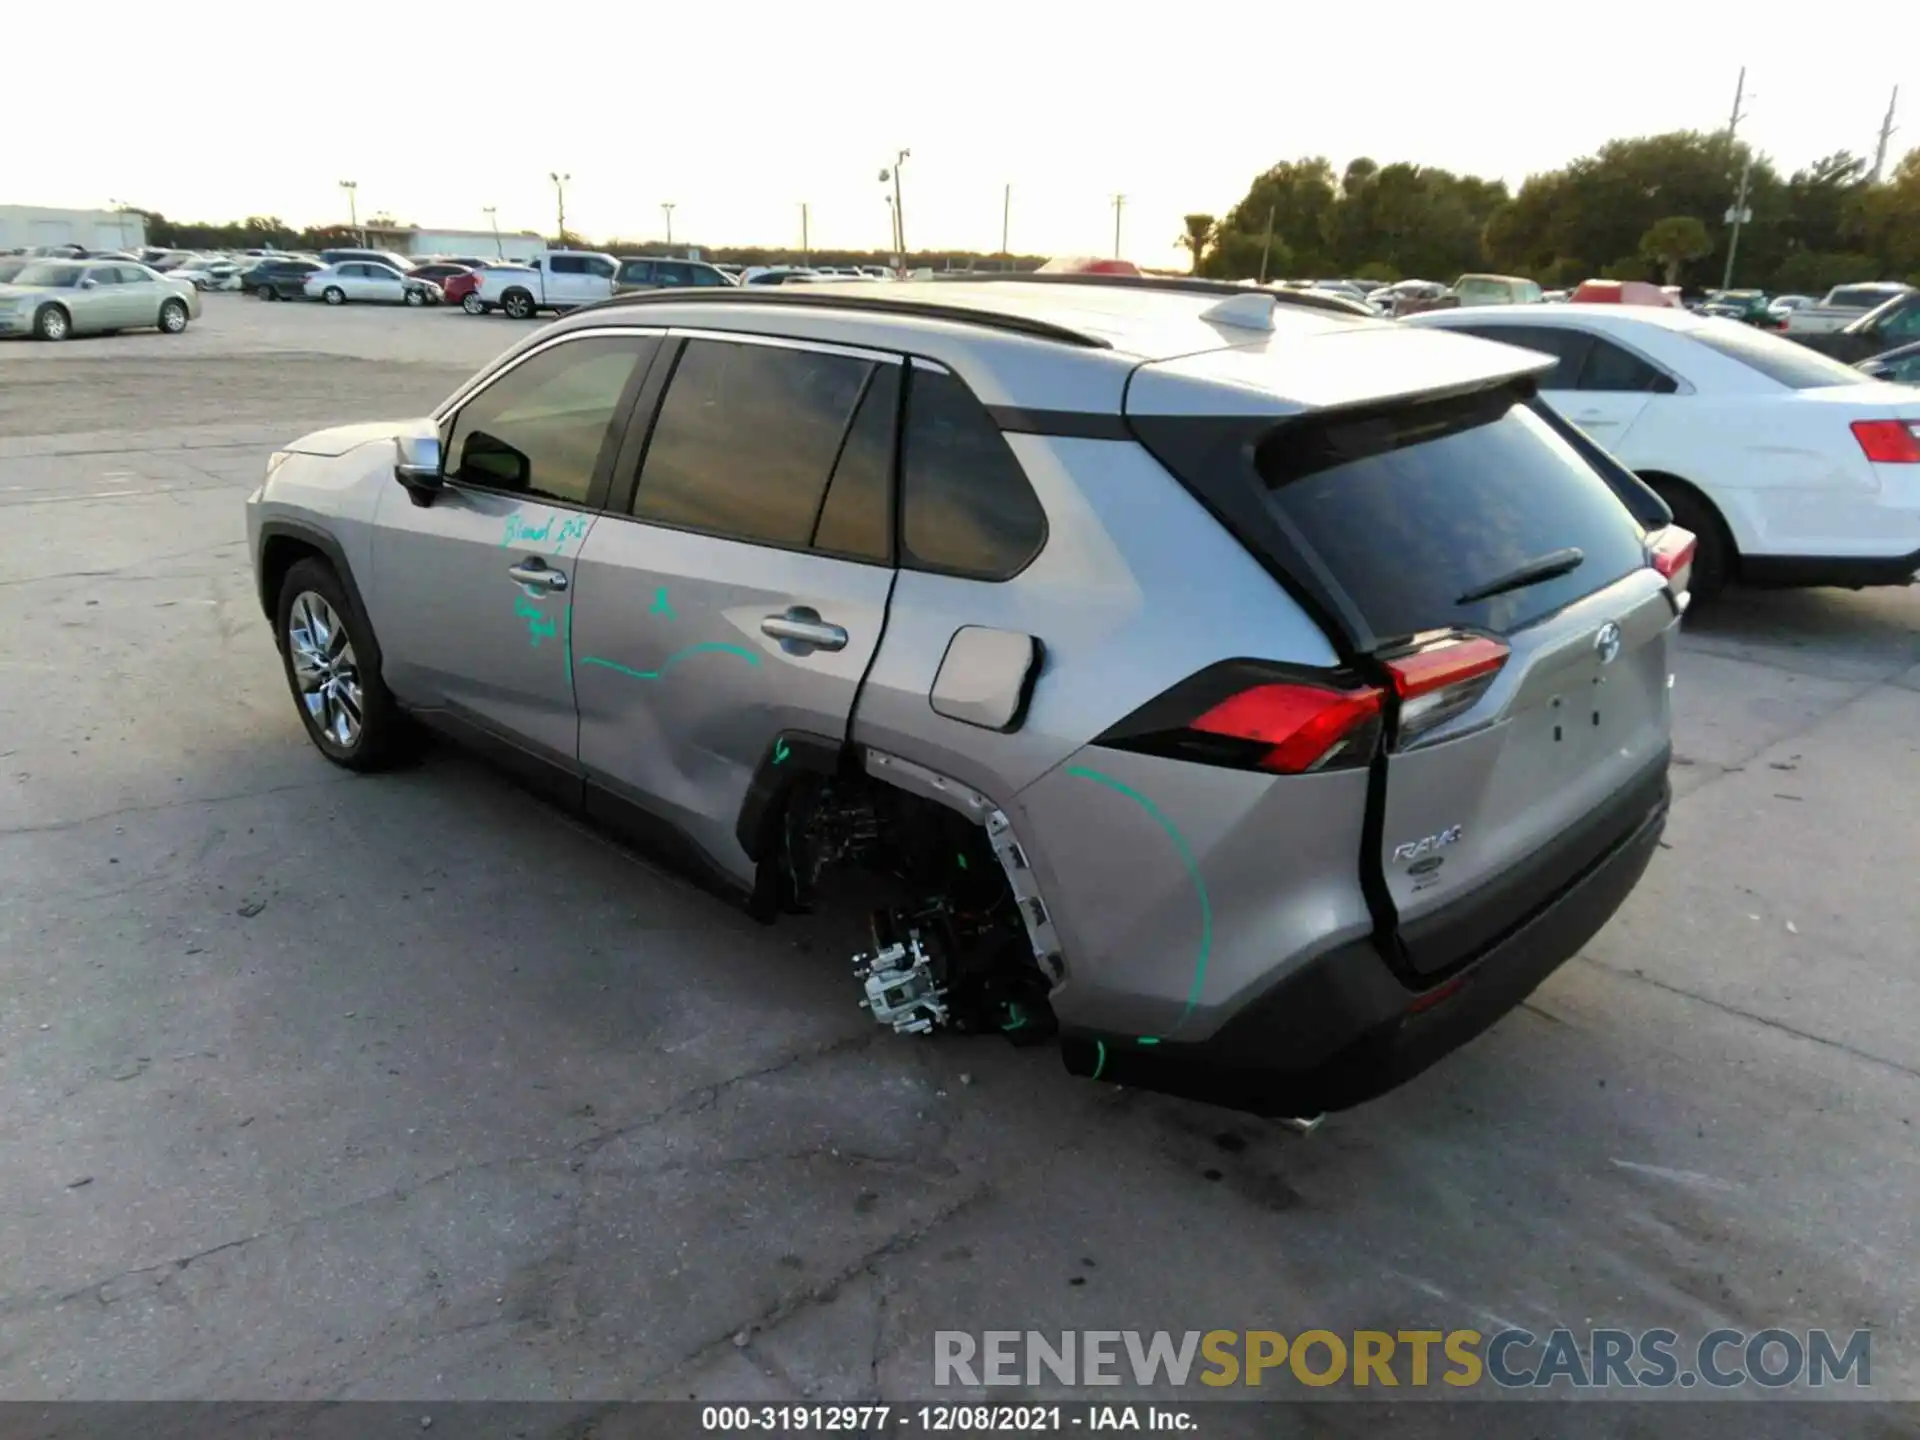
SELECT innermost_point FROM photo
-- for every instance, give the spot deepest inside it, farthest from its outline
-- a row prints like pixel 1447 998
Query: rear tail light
pixel 1295 729
pixel 1671 551
pixel 1889 442
pixel 1442 677
pixel 1245 715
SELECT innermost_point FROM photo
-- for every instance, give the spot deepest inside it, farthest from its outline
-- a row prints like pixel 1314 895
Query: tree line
pixel 1650 208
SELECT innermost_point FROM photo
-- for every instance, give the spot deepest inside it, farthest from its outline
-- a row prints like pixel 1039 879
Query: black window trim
pixel 632 455
pixel 604 470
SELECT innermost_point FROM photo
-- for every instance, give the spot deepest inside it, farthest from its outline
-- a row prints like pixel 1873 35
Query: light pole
pixel 1119 204
pixel 493 220
pixel 893 229
pixel 1006 218
pixel 899 209
pixel 560 202
pixel 352 187
pixel 121 224
pixel 806 247
pixel 666 207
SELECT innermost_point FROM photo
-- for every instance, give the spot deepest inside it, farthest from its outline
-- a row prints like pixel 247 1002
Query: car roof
pixel 1665 317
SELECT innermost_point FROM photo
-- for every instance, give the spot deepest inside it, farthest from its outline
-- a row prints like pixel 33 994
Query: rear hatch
pixel 1472 562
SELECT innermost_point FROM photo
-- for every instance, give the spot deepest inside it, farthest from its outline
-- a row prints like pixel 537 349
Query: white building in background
pixel 25 226
pixel 481 244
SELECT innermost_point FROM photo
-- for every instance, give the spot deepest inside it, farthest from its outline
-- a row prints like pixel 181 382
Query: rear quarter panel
pixel 1136 588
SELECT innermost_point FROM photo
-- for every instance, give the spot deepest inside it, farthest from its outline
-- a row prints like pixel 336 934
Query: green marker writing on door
pixel 661 605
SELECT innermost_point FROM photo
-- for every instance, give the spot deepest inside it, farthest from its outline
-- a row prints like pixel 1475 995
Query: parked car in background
pixel 1789 467
pixel 1624 292
pixel 204 274
pixel 1886 327
pixel 388 258
pixel 561 280
pixel 440 271
pixel 461 289
pixel 649 272
pixel 1496 290
pixel 1843 305
pixel 1901 366
pixel 278 277
pixel 11 266
pixel 1781 306
pixel 369 282
pixel 1749 306
pixel 1314 602
pixel 55 299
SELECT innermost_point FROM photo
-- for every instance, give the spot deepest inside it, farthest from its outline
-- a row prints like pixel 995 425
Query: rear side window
pixel 1612 367
pixel 1568 347
pixel 636 272
pixel 1783 361
pixel 1412 509
pixel 746 440
pixel 966 506
pixel 566 265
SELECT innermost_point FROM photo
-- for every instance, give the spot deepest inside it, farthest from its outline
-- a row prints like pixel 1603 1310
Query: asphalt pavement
pixel 410 1087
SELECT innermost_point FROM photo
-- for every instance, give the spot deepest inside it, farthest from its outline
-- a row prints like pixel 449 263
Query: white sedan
pixel 368 280
pixel 1791 468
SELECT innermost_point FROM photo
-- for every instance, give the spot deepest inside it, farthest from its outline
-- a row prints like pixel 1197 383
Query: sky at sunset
pixel 738 114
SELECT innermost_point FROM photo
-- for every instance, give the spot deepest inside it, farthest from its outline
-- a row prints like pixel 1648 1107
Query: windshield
pixel 54 275
pixel 1783 361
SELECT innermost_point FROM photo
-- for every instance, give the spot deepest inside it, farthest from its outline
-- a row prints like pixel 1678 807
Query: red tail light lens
pixel 1671 551
pixel 1889 442
pixel 1442 677
pixel 1250 715
pixel 1301 728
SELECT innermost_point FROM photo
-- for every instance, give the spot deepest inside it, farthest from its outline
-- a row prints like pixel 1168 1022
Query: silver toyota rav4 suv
pixel 1257 698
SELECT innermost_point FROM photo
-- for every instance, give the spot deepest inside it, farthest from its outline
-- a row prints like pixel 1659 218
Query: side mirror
pixel 417 466
pixel 88 283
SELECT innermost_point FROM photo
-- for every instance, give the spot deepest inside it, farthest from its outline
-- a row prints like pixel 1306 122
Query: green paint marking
pixel 538 626
pixel 661 605
pixel 704 647
pixel 1158 816
pixel 1101 1046
pixel 1149 1040
pixel 568 621
pixel 961 861
pixel 780 752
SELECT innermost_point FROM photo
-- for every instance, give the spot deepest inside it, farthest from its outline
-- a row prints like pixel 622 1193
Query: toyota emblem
pixel 1606 643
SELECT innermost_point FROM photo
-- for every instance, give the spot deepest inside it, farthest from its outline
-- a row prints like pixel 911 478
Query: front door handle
pixel 538 575
pixel 801 629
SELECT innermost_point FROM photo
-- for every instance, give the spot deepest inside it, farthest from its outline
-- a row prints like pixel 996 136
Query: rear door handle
pixel 801 629
pixel 538 574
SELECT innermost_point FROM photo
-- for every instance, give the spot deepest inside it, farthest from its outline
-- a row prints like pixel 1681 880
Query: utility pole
pixel 806 248
pixel 899 209
pixel 1266 246
pixel 1006 217
pixel 667 207
pixel 1119 204
pixel 1739 214
pixel 352 187
pixel 1887 129
pixel 493 220
pixel 560 202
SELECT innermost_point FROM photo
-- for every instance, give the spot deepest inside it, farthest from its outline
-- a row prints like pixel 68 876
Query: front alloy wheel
pixel 325 670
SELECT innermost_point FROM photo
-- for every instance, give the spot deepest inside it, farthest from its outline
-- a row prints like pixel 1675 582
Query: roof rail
pixel 1180 284
pixel 835 297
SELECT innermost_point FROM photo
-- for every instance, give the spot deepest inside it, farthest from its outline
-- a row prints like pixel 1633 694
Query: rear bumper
pixel 1343 1029
pixel 1850 571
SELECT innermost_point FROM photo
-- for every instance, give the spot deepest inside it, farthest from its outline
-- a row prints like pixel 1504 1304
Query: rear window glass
pixel 1412 509
pixel 1786 362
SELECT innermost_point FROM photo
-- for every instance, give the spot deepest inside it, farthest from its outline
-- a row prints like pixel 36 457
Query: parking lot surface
pixel 319 1086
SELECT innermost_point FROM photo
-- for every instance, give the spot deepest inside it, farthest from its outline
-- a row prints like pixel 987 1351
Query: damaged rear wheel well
pixel 966 941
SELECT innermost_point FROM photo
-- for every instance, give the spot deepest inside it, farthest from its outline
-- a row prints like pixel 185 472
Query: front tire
pixel 332 667
pixel 51 322
pixel 173 317
pixel 265 292
pixel 334 295
pixel 416 297
pixel 518 304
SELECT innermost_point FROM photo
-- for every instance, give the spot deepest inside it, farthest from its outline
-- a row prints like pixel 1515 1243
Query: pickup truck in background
pixel 560 280
pixel 1886 327
pixel 1843 305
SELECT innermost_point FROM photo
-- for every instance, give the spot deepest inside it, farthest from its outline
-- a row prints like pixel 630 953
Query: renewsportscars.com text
pixel 1600 1359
